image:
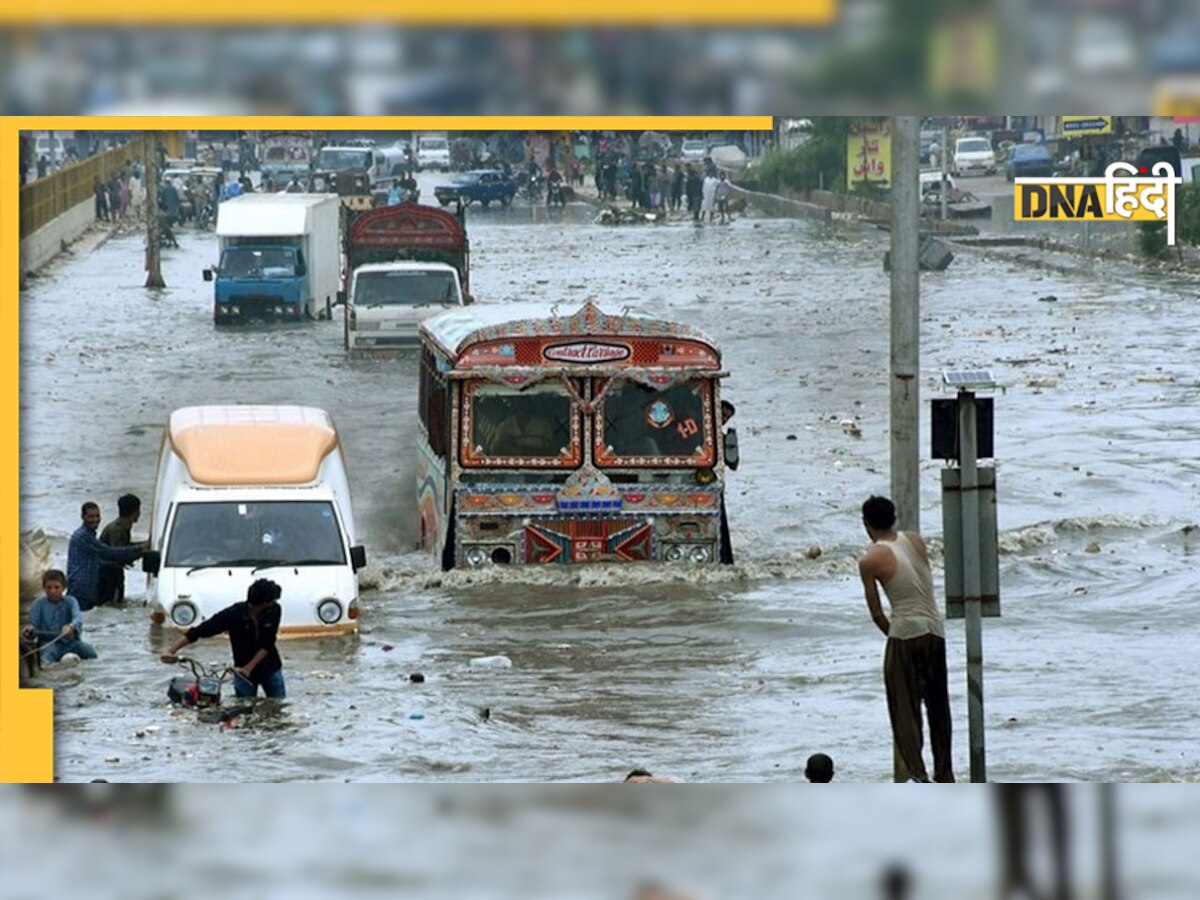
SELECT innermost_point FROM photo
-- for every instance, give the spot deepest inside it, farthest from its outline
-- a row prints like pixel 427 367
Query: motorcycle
pixel 202 691
pixel 555 196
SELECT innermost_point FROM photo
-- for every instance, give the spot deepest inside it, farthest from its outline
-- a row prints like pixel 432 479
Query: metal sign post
pixel 969 529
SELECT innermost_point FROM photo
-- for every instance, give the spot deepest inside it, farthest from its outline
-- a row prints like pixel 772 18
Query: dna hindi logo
pixel 1125 193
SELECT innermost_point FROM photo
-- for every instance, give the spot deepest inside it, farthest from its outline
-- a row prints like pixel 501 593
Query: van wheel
pixel 485 202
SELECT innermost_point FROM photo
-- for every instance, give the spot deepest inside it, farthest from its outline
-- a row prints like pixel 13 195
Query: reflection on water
pixel 588 841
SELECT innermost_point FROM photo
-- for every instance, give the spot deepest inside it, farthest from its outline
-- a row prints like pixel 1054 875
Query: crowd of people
pixel 703 191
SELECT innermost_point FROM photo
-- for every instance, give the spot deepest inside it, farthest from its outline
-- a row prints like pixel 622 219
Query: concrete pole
pixel 154 278
pixel 943 155
pixel 971 581
pixel 1108 842
pixel 905 320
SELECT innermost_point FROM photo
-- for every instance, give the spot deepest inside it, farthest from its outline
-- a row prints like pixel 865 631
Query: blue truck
pixel 480 186
pixel 280 258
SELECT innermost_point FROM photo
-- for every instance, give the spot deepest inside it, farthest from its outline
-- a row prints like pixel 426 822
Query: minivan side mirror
pixel 731 449
pixel 207 274
pixel 358 557
pixel 151 562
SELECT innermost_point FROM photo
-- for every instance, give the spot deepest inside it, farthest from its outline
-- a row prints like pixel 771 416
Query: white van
pixel 433 152
pixel 249 492
pixel 388 302
pixel 50 146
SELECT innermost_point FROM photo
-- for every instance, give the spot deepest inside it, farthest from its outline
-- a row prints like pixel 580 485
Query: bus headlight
pixel 184 613
pixel 699 555
pixel 476 557
pixel 329 611
pixel 674 553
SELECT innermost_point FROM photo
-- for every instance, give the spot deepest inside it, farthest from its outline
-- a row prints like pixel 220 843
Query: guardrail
pixel 44 200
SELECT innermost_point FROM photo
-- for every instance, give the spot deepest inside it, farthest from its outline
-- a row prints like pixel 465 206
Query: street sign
pixel 1076 126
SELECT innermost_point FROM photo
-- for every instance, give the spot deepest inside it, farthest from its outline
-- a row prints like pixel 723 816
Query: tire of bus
pixel 726 549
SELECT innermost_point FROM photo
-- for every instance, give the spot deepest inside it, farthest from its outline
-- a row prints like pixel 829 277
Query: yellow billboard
pixel 869 152
pixel 1078 126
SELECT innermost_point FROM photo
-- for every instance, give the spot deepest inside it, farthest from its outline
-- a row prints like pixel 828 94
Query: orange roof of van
pixel 233 445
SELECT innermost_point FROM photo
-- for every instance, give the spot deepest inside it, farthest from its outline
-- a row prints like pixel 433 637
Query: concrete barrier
pixel 48 241
pixel 783 207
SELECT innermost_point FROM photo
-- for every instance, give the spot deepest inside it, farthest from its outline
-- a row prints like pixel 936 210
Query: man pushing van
pixel 252 627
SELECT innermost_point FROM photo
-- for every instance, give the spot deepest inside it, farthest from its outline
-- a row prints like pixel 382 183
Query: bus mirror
pixel 731 448
pixel 207 274
pixel 358 557
pixel 151 561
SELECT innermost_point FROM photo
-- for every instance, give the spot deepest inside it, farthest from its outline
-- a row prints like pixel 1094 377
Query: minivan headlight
pixel 184 613
pixel 329 611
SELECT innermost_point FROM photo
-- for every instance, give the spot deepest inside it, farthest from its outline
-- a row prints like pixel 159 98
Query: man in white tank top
pixel 914 662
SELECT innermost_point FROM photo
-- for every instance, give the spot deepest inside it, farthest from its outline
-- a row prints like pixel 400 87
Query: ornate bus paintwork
pixel 570 438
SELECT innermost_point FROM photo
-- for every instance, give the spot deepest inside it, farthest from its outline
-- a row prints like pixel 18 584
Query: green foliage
pixel 1152 236
pixel 819 162
pixel 1152 239
pixel 1187 214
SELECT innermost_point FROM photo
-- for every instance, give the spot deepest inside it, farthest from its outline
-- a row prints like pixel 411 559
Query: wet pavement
pixel 709 674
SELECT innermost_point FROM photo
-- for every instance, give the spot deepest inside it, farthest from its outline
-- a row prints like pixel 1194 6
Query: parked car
pixel 1028 161
pixel 974 155
pixel 693 150
pixel 480 185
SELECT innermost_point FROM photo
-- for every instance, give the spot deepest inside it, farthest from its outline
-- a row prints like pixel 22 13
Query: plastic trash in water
pixel 416 714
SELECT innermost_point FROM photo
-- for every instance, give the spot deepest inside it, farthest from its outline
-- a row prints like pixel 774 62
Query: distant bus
pixel 552 438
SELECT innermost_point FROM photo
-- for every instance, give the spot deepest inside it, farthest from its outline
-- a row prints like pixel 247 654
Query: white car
pixel 693 150
pixel 974 155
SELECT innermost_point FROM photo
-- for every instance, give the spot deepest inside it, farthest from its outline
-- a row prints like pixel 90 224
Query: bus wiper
pixel 231 563
pixel 272 564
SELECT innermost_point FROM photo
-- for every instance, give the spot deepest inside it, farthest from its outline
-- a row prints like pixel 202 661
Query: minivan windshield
pixel 404 287
pixel 251 533
pixel 432 144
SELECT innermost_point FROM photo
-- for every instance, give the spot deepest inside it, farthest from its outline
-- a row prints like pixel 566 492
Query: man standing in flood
pixel 914 662
pixel 85 553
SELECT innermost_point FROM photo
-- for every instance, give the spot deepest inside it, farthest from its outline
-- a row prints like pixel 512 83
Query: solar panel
pixel 965 378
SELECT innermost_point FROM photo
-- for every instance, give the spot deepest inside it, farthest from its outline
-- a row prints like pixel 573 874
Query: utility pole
pixel 154 277
pixel 944 160
pixel 905 318
pixel 1108 842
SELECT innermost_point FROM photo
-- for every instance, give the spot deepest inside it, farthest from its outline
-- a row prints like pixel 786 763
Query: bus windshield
pixel 297 532
pixel 536 423
pixel 668 424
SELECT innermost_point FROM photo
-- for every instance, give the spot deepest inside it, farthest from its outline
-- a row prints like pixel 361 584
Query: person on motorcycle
pixel 408 188
pixel 554 188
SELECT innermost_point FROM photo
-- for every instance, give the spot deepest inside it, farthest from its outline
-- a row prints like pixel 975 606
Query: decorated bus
pixel 563 438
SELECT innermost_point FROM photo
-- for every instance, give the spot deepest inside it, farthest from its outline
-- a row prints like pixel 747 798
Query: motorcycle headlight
pixel 184 613
pixel 476 557
pixel 329 611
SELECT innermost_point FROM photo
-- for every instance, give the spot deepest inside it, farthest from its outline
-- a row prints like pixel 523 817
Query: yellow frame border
pixel 26 716
pixel 466 13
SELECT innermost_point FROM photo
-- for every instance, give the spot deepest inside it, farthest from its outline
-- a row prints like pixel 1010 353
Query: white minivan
pixel 433 152
pixel 388 302
pixel 249 492
pixel 974 155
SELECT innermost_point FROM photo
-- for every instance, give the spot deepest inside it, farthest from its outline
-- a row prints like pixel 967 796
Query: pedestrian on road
pixel 677 180
pixel 914 663
pixel 117 533
pixel 101 195
pixel 43 165
pixel 56 623
pixel 721 194
pixel 85 552
pixel 252 626
pixel 708 197
pixel 694 188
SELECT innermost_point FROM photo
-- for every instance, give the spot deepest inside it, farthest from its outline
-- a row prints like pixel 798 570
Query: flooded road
pixel 714 675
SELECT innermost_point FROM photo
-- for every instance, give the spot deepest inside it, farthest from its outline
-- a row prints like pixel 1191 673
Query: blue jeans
pixel 272 687
pixel 52 653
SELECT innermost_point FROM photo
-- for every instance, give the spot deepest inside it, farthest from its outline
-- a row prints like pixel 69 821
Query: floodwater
pixel 724 674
